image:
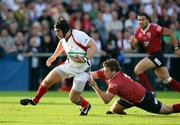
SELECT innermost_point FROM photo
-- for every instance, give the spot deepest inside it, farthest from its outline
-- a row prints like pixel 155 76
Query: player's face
pixel 108 73
pixel 142 21
pixel 59 33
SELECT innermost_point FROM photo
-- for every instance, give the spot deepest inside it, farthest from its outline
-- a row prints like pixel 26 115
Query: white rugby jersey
pixel 70 46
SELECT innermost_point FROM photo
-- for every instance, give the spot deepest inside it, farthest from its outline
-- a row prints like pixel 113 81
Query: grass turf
pixel 56 109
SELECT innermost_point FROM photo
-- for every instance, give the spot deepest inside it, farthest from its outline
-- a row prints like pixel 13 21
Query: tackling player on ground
pixel 131 92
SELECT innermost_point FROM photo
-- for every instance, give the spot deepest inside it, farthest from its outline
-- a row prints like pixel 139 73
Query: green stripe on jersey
pixel 76 53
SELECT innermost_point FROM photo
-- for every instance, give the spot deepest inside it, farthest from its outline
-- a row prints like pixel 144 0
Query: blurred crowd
pixel 26 26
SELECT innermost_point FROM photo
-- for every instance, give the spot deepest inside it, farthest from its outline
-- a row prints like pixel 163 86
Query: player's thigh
pixel 51 78
pixel 55 76
pixel 144 65
pixel 150 103
pixel 162 72
pixel 120 105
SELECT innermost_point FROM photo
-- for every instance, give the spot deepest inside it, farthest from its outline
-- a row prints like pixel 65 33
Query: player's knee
pixel 137 71
pixel 168 80
pixel 47 82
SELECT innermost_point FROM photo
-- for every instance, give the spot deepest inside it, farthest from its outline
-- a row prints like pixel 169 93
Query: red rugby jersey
pixel 123 86
pixel 150 37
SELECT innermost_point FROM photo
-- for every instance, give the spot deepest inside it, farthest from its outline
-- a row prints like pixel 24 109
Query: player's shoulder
pixel 155 27
pixel 77 32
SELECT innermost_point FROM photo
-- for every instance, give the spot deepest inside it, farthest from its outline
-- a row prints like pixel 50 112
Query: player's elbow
pixel 106 101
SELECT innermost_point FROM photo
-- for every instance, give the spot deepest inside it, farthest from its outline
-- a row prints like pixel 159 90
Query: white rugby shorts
pixel 80 72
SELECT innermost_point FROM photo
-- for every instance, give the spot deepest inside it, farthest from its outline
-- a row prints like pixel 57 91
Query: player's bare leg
pixel 163 74
pixel 77 99
pixel 50 79
pixel 165 109
pixel 116 108
pixel 140 69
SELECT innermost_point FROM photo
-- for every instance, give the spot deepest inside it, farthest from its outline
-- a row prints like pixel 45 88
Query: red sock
pixel 174 84
pixel 176 108
pixel 144 79
pixel 40 92
pixel 83 102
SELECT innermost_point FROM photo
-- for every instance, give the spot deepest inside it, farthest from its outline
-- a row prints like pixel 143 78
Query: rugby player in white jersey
pixel 80 48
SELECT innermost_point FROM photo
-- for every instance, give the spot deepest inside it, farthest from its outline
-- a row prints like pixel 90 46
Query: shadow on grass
pixel 155 116
pixel 42 103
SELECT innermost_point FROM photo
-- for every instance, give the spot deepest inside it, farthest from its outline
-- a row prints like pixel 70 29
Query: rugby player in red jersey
pixel 148 34
pixel 131 92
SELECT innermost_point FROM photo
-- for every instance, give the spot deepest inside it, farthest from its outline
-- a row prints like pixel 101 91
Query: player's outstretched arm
pixel 106 97
pixel 58 51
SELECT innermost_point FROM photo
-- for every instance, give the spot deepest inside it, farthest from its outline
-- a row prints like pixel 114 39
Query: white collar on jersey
pixel 146 28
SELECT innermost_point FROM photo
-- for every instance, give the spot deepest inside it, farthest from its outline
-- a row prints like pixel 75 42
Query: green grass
pixel 56 109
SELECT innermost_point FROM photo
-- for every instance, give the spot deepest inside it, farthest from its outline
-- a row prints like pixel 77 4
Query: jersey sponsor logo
pixel 146 43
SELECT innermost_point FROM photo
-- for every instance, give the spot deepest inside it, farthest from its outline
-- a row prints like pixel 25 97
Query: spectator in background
pixel 45 30
pixel 87 6
pixel 134 6
pixel 39 7
pixel 59 11
pixel 115 24
pixel 131 21
pixel 111 46
pixel 152 8
pixel 74 6
pixel 9 19
pixel 77 15
pixel 86 23
pixel 107 17
pixel 20 45
pixel 47 46
pixel 7 42
pixel 13 29
pixel 34 71
pixel 94 11
pixel 100 26
pixel 35 31
pixel 32 10
pixel 46 16
pixel 96 61
pixel 164 19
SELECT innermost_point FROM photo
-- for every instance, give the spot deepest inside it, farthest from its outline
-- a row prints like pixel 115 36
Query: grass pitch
pixel 56 109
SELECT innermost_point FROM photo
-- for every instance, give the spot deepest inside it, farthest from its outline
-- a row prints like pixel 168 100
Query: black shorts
pixel 124 103
pixel 150 104
pixel 157 58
